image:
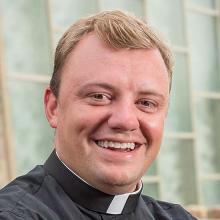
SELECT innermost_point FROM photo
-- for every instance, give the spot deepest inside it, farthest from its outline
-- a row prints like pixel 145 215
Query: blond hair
pixel 118 30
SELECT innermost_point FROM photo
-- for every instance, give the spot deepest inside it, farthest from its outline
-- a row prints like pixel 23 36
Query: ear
pixel 50 107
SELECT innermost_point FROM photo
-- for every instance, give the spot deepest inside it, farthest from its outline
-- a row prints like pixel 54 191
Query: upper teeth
pixel 116 144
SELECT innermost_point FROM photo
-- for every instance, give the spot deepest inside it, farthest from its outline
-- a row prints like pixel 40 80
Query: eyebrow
pixel 102 85
pixel 94 84
pixel 152 93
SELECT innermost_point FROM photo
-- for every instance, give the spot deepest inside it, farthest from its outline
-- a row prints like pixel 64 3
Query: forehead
pixel 92 58
pixel 92 46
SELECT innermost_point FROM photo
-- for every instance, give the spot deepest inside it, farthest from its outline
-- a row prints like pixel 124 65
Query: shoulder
pixel 20 193
pixel 166 210
pixel 7 215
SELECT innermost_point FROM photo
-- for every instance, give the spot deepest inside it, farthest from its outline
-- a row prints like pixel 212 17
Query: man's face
pixel 110 113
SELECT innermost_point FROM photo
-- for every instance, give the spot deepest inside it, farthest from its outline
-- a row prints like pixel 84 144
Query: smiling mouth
pixel 117 146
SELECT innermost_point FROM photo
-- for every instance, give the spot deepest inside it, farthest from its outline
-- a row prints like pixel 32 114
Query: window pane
pixel 179 117
pixel 208 139
pixel 1 124
pixel 211 192
pixel 26 36
pixel 32 135
pixel 136 7
pixel 176 166
pixel 167 17
pixel 3 168
pixel 204 3
pixel 151 189
pixel 65 12
pixel 204 48
pixel 56 38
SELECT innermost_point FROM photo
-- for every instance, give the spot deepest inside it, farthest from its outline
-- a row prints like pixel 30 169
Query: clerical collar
pixel 87 196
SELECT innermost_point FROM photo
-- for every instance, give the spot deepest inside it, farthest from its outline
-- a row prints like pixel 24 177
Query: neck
pixel 80 192
pixel 110 189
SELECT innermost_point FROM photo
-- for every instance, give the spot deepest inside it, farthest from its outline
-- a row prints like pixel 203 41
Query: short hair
pixel 118 30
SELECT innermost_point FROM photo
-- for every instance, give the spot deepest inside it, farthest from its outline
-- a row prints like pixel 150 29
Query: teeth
pixel 116 145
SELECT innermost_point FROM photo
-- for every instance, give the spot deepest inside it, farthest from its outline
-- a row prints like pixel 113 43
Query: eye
pixel 100 98
pixel 147 105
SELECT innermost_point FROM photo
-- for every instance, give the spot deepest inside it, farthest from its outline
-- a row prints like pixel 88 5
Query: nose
pixel 124 118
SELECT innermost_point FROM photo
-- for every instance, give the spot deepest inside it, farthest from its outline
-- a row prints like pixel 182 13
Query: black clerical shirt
pixel 52 192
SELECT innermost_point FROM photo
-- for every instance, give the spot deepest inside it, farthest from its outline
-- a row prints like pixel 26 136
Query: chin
pixel 120 182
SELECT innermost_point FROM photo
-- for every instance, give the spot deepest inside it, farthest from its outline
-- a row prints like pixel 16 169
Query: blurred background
pixel 187 170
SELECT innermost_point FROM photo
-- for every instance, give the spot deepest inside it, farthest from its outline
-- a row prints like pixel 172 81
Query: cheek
pixel 157 127
pixel 154 126
pixel 84 119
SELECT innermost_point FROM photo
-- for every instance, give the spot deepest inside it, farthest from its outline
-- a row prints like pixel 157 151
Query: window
pixel 30 31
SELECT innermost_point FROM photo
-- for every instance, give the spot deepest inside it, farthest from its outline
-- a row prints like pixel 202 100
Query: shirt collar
pixel 86 195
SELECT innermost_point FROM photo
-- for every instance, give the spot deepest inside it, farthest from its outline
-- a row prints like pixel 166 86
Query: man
pixel 107 101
